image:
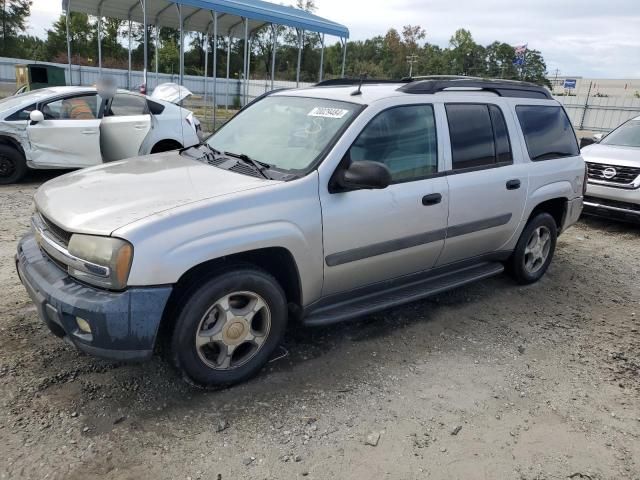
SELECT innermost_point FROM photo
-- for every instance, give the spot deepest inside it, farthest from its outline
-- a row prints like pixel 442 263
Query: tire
pixel 13 165
pixel 530 260
pixel 228 327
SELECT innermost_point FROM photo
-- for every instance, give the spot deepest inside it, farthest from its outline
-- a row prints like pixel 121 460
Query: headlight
pixel 106 261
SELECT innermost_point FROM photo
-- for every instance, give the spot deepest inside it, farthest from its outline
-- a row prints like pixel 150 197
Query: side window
pixel 125 105
pixel 82 107
pixel 402 138
pixel 547 132
pixel 478 134
pixel 21 114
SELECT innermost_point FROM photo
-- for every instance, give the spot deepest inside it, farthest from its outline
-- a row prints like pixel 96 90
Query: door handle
pixel 89 132
pixel 431 199
pixel 513 184
pixel 140 126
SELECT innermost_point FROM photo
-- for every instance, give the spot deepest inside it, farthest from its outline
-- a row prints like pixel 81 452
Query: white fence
pixel 225 92
pixel 599 114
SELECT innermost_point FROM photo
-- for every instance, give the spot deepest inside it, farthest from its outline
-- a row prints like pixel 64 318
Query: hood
pixel 170 92
pixel 612 155
pixel 102 199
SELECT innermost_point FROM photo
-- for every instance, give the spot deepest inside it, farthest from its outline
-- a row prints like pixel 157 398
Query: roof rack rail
pixel 341 82
pixel 503 88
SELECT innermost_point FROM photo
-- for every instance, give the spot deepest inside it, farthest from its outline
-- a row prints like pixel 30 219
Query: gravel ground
pixel 490 381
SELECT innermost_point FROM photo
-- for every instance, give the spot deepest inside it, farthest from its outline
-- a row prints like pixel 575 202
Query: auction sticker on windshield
pixel 327 112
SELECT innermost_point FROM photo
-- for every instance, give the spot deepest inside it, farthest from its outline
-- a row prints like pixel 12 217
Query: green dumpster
pixel 34 76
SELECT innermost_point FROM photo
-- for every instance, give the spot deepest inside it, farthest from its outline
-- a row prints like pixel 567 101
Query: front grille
pixel 623 175
pixel 634 207
pixel 60 234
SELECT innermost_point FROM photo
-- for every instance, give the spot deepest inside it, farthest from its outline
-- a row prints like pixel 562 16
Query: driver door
pixel 69 136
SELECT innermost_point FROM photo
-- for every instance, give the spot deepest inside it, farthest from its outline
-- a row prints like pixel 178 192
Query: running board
pixel 374 302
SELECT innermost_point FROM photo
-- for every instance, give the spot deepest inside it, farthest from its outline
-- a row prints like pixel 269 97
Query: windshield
pixel 24 99
pixel 286 132
pixel 626 135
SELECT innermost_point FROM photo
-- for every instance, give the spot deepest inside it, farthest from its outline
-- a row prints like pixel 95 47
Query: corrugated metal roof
pixel 197 14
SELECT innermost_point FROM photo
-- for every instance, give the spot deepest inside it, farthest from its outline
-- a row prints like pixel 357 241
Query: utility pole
pixel 411 59
pixel 555 80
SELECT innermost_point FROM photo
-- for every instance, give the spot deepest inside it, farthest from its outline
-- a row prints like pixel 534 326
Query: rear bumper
pixel 574 210
pixel 123 325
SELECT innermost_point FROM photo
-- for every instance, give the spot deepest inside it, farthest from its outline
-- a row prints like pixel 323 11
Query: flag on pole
pixel 520 51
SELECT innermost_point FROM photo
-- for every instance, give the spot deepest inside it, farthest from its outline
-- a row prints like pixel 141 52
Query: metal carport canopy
pixel 197 14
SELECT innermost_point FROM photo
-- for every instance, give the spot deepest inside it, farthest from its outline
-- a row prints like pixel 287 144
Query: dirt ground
pixel 490 381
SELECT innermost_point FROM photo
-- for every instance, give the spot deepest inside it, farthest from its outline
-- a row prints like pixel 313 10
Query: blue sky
pixel 589 38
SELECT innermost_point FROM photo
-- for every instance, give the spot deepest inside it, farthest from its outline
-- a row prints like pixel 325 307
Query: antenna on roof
pixel 363 76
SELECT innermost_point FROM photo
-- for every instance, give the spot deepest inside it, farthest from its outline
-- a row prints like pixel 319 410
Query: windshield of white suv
pixel 626 135
pixel 24 99
pixel 288 133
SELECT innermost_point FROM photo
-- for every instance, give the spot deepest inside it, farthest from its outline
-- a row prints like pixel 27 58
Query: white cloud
pixel 579 37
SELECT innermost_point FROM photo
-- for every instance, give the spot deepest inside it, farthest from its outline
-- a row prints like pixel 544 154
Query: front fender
pixel 287 216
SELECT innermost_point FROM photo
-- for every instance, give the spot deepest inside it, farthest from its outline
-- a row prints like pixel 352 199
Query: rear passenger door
pixel 125 125
pixel 487 181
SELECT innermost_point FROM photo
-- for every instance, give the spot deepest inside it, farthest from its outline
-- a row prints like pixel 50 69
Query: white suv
pixel 314 205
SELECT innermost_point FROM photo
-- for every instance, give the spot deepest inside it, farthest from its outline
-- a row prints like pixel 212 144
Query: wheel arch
pixel 165 145
pixel 277 261
pixel 12 142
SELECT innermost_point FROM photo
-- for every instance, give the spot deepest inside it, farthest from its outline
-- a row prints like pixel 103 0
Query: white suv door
pixel 125 125
pixel 376 235
pixel 487 188
pixel 69 136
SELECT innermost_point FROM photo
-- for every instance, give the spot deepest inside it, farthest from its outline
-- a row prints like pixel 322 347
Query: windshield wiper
pixel 260 167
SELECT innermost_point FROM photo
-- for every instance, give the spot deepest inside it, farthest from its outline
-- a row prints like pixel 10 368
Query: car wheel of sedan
pixel 534 250
pixel 12 165
pixel 229 327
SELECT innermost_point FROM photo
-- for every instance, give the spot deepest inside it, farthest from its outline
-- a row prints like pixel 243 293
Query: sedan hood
pixel 102 199
pixel 612 155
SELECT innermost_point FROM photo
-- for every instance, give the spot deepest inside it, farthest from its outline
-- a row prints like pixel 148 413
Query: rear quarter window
pixel 547 132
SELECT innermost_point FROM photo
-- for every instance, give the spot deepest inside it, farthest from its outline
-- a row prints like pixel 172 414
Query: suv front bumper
pixel 123 325
pixel 611 202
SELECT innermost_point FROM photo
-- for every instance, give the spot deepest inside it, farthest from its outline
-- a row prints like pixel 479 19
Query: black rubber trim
pixel 385 247
pixel 466 228
pixel 389 246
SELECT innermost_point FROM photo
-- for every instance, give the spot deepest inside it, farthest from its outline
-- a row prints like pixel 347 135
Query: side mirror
pixel 584 141
pixel 36 116
pixel 364 174
pixel 597 137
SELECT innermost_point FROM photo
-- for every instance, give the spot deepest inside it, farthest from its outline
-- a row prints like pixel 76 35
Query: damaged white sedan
pixel 76 127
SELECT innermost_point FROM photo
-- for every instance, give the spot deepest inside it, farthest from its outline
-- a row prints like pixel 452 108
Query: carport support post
pixel 273 55
pixel 226 95
pixel 69 42
pixel 100 39
pixel 300 34
pixel 181 43
pixel 215 65
pixel 321 58
pixel 157 46
pixel 144 22
pixel 129 47
pixel 206 68
pixel 246 52
pixel 344 56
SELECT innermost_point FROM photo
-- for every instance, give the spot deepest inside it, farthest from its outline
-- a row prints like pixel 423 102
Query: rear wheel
pixel 534 250
pixel 13 165
pixel 229 327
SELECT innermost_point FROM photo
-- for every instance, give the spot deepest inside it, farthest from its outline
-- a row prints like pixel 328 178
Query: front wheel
pixel 535 249
pixel 229 327
pixel 13 165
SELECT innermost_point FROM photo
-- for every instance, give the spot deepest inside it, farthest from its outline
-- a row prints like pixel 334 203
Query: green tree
pixel 13 18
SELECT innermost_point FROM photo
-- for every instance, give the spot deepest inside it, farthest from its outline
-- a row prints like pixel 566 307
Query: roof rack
pixel 503 88
pixel 341 82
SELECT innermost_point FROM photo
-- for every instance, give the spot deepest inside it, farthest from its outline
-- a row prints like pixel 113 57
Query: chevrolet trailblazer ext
pixel 315 205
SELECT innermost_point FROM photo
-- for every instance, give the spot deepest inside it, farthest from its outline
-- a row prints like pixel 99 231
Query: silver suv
pixel 314 206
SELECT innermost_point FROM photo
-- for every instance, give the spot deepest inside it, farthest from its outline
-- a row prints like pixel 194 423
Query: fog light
pixel 83 325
